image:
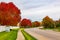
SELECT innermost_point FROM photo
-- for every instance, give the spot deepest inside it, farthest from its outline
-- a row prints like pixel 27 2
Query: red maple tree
pixel 26 22
pixel 9 14
pixel 35 23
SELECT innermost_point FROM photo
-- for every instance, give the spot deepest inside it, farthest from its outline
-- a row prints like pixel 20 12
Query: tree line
pixel 46 22
pixel 10 15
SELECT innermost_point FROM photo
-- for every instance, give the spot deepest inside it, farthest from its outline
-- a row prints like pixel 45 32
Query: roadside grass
pixel 57 29
pixel 54 29
pixel 12 35
pixel 48 28
pixel 26 35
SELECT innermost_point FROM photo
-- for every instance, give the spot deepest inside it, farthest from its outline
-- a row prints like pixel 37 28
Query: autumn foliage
pixel 9 14
pixel 35 24
pixel 26 23
pixel 48 22
pixel 57 22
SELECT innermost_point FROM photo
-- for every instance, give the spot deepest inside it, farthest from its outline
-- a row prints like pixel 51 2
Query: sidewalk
pixel 20 36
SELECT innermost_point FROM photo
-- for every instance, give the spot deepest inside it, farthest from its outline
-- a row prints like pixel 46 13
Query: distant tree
pixel 57 23
pixel 35 24
pixel 48 22
pixel 9 14
pixel 26 23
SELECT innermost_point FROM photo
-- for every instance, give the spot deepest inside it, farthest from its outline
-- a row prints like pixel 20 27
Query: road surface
pixel 43 34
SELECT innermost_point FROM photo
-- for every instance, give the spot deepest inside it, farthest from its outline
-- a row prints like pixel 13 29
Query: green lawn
pixel 48 28
pixel 27 36
pixel 54 29
pixel 12 35
pixel 57 29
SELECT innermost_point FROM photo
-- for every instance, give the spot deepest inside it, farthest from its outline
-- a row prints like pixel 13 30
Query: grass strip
pixel 27 36
pixel 2 33
pixel 12 35
pixel 57 29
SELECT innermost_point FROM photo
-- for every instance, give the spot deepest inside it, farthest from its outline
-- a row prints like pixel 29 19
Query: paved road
pixel 44 34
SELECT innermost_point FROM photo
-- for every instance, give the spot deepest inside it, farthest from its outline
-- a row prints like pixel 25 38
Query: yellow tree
pixel 48 22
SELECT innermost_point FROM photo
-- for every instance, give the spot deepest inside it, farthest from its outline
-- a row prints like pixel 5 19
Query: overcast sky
pixel 35 10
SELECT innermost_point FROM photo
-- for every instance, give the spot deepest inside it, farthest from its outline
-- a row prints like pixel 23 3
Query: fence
pixel 4 28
